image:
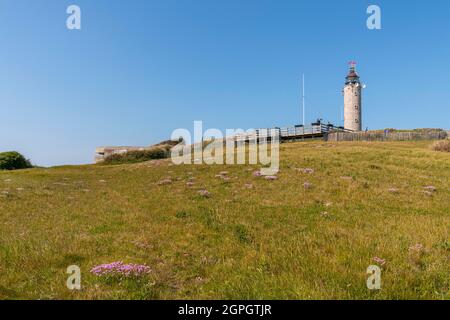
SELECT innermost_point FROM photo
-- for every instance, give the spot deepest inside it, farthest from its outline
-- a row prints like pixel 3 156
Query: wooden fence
pixel 391 136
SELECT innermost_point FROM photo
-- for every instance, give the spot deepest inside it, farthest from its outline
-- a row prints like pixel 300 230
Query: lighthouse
pixel 352 100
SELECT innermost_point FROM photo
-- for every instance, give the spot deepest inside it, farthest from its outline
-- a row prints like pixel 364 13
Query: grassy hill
pixel 307 235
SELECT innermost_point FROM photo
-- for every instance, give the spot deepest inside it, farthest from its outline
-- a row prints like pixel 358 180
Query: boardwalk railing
pixel 290 133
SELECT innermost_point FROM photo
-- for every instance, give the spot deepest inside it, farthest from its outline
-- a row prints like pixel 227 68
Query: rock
pixel 271 178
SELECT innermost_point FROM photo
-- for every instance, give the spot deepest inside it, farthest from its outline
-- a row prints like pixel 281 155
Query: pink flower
pixel 118 268
pixel 416 248
pixel 257 174
pixel 204 193
pixel 380 261
pixel 306 170
pixel 165 182
pixel 307 185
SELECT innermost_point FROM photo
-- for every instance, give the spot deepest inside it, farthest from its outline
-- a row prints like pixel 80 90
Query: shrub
pixel 138 156
pixel 442 145
pixel 13 161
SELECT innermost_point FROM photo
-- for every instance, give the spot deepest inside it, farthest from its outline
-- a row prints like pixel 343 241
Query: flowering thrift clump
pixel 307 185
pixel 257 174
pixel 120 269
pixel 204 193
pixel 380 261
pixel 305 170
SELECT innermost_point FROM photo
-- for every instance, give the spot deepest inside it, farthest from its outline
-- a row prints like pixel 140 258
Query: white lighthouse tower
pixel 352 100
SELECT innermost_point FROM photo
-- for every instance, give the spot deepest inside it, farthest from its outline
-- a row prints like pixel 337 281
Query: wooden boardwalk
pixel 291 133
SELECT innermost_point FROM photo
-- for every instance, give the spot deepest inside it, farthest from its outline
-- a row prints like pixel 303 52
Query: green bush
pixel 138 156
pixel 13 161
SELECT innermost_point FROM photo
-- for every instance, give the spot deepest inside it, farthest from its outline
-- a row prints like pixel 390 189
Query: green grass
pixel 270 241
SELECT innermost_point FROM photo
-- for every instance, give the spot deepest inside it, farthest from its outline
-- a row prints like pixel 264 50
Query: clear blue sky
pixel 140 69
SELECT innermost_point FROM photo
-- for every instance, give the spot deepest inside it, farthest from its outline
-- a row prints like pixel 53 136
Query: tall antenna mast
pixel 303 98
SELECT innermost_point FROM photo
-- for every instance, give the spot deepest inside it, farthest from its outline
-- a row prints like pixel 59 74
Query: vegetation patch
pixel 160 152
pixel 442 146
pixel 311 234
pixel 13 161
